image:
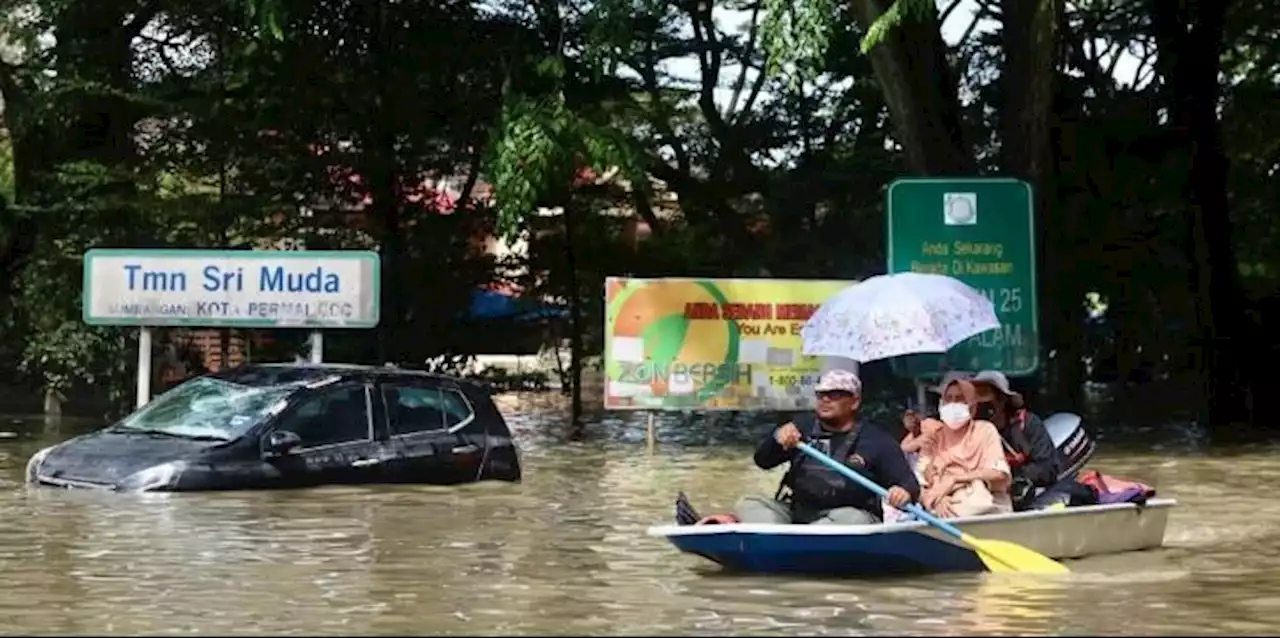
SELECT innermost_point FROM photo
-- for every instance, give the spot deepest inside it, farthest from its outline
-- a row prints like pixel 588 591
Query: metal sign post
pixel 317 346
pixel 144 366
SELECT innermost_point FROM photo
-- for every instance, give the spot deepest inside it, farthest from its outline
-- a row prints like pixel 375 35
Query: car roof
pixel 267 374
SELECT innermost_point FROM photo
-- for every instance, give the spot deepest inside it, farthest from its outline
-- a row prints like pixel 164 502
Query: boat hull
pixel 914 547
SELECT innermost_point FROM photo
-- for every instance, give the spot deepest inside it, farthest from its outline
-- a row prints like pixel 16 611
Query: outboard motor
pixel 1074 444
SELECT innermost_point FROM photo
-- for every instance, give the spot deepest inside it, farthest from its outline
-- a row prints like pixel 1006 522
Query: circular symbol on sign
pixel 673 344
pixel 960 209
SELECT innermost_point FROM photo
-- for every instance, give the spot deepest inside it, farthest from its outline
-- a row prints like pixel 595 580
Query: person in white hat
pixel 814 493
pixel 1027 446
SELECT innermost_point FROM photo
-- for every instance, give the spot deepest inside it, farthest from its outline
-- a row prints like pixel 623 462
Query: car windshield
pixel 208 408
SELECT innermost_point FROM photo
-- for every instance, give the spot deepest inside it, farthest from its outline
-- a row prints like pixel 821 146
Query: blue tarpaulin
pixel 489 305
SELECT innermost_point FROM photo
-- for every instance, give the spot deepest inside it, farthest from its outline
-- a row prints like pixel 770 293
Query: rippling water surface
pixel 565 553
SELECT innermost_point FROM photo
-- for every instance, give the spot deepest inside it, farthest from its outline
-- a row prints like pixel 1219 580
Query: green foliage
pixel 529 152
pixel 795 35
pixel 347 108
pixel 67 353
pixel 266 17
pixel 893 17
pixel 6 171
pixel 541 145
pixel 610 33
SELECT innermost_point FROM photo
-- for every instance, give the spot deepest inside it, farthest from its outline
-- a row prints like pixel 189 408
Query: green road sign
pixel 980 231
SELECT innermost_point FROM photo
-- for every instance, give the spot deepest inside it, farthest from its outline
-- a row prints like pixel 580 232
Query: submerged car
pixel 293 425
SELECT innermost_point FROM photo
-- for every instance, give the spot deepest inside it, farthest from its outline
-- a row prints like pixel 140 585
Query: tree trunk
pixel 1029 82
pixel 26 134
pixel 1190 43
pixel 30 146
pixel 386 210
pixel 95 48
pixel 393 345
pixel 1029 141
pixel 574 296
pixel 920 91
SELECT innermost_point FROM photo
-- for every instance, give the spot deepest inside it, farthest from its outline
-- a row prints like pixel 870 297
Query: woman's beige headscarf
pixel 974 446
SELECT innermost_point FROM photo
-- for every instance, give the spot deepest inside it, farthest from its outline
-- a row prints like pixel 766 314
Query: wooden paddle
pixel 998 556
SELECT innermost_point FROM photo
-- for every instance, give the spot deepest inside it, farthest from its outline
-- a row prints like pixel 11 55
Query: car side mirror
pixel 281 442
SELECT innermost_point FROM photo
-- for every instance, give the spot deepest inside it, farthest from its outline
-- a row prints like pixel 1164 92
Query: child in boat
pixel 917 436
pixel 964 470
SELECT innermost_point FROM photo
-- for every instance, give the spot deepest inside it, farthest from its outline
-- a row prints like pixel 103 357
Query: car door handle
pixel 465 449
pixel 365 462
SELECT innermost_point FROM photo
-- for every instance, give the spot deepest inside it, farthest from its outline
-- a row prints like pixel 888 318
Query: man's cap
pixel 948 379
pixel 994 379
pixel 997 380
pixel 839 381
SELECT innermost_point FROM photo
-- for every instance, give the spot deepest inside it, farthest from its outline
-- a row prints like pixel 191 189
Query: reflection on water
pixel 565 552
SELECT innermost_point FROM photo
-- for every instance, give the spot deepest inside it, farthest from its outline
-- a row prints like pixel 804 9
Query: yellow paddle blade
pixel 1003 556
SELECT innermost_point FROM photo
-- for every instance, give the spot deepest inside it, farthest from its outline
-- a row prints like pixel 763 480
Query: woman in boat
pixel 965 472
pixel 914 438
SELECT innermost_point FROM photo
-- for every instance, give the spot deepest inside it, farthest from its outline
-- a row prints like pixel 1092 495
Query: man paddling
pixel 815 493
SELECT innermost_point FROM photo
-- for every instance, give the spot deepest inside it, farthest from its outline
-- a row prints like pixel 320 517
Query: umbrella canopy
pixel 892 315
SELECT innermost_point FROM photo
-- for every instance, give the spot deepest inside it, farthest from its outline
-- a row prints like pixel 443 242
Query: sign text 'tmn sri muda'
pixel 329 289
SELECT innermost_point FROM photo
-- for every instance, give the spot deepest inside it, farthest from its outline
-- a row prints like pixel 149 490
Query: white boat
pixel 913 546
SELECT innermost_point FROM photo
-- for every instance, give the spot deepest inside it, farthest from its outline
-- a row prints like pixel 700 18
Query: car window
pixel 413 409
pixel 339 415
pixel 456 408
pixel 208 407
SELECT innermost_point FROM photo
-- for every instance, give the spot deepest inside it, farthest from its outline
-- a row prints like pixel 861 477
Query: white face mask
pixel 954 415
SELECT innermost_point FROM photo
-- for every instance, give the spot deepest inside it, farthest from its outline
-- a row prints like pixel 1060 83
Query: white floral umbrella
pixel 893 315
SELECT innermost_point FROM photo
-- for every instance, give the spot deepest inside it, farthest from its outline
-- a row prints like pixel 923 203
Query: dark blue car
pixel 293 425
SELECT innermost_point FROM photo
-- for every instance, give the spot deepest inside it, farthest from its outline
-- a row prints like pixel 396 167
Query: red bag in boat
pixel 1111 489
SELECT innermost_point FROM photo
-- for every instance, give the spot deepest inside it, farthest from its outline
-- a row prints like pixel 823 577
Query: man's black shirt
pixel 866 449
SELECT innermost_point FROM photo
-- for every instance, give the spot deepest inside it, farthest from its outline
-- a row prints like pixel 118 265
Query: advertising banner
pixel 710 344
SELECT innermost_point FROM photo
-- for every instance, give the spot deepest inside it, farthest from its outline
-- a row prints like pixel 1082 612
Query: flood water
pixel 565 552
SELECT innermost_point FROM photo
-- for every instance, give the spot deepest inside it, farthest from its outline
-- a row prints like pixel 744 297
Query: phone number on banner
pixel 793 379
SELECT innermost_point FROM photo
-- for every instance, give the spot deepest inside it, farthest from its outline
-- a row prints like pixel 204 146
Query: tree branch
pixel 709 60
pixel 946 13
pixel 761 76
pixel 662 113
pixel 1114 50
pixel 473 175
pixel 1144 65
pixel 750 48
pixel 978 16
pixel 140 20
